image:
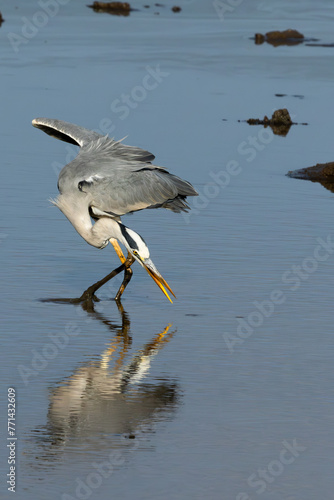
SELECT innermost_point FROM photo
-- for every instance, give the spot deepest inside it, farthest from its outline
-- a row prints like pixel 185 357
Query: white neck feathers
pixel 96 235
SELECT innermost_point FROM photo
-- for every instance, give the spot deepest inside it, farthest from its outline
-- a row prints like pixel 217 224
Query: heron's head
pixel 136 245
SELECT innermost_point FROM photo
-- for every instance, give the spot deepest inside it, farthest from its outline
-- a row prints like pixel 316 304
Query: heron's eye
pixel 135 252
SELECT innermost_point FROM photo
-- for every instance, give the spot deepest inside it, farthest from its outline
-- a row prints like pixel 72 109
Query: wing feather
pixel 90 141
pixel 115 178
pixel 138 189
pixel 67 132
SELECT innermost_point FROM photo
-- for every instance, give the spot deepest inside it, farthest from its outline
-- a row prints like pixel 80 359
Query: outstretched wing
pixel 67 132
pixel 116 178
pixel 90 140
pixel 130 188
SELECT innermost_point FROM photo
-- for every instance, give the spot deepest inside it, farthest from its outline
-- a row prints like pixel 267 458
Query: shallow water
pixel 206 397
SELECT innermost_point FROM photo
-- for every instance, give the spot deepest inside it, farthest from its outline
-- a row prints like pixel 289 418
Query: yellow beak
pixel 159 280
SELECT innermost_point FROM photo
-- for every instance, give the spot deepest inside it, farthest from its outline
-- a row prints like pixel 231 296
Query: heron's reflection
pixel 110 396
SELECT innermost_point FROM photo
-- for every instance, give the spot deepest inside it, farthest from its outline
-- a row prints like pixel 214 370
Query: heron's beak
pixel 156 276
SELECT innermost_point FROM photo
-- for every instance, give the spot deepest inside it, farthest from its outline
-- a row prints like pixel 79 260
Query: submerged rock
pixel 1 19
pixel 276 38
pixel 280 122
pixel 321 172
pixel 176 8
pixel 115 8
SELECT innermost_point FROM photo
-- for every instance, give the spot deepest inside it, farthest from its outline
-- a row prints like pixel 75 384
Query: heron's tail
pixel 177 205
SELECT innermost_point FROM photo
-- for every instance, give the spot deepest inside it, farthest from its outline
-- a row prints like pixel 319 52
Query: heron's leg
pixel 127 276
pixel 89 293
pixel 127 272
pixel 118 250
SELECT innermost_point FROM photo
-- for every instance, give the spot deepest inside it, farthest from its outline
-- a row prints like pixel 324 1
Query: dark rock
pixel 176 8
pixel 281 117
pixel 276 38
pixel 115 8
pixel 321 172
pixel 280 122
pixel 259 38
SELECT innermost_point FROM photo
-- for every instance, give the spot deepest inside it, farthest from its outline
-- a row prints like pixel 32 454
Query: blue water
pixel 207 397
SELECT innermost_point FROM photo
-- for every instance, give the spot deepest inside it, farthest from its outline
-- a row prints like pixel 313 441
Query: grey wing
pixel 67 132
pixel 90 141
pixel 136 189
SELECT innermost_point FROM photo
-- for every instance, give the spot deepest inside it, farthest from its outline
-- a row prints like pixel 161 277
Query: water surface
pixel 189 400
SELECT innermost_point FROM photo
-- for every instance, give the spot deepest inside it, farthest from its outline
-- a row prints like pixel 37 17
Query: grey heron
pixel 107 180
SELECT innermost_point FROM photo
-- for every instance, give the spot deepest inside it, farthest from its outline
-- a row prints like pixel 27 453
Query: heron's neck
pixel 97 234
